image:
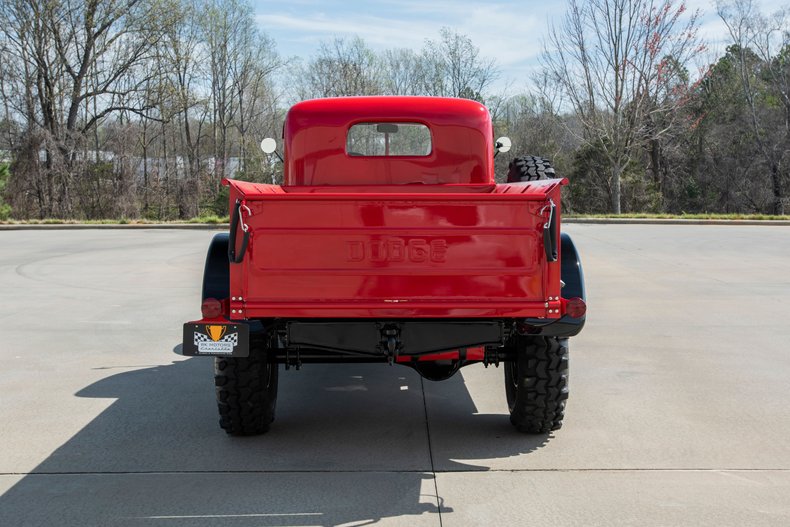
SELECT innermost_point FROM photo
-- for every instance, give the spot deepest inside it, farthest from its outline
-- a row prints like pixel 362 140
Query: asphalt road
pixel 679 411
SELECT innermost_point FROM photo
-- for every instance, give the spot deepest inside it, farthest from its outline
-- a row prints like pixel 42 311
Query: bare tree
pixel 180 57
pixel 254 89
pixel 222 24
pixel 403 72
pixel 7 123
pixel 341 67
pixel 454 68
pixel 450 66
pixel 609 59
pixel 71 57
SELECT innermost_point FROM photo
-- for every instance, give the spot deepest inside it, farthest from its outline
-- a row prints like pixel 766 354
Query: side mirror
pixel 268 145
pixel 503 145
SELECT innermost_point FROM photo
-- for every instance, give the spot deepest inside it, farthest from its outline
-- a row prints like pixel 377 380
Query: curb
pixel 671 221
pixel 109 226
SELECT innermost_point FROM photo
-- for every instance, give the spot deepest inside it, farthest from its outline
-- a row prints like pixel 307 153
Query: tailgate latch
pixel 237 219
pixel 550 231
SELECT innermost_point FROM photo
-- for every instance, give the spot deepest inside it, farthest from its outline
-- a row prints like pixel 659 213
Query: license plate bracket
pixel 216 339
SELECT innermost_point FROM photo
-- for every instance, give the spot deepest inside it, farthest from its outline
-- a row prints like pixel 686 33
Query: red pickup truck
pixel 390 241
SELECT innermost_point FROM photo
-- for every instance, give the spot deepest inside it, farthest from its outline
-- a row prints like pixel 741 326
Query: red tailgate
pixel 355 252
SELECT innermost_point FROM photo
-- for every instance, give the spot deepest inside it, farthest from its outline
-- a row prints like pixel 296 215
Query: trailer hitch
pixel 233 257
pixel 390 342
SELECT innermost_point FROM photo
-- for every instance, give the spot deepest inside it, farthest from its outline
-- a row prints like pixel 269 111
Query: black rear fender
pixel 216 273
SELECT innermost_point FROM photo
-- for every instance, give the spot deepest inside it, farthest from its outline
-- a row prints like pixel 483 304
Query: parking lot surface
pixel 679 411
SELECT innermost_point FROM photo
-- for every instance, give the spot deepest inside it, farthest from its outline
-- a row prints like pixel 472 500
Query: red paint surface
pixel 315 142
pixel 354 253
pixel 394 237
pixel 472 354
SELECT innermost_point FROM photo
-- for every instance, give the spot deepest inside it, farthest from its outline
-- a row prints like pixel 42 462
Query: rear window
pixel 388 139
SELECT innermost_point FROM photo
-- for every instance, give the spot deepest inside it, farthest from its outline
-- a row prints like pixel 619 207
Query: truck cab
pixel 389 141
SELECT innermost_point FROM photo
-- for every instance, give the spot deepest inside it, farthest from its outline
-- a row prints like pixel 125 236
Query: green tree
pixel 5 209
pixel 765 85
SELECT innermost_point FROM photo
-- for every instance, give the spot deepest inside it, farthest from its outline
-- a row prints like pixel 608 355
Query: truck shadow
pixel 349 446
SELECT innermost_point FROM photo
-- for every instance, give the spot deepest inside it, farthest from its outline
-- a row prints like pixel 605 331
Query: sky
pixel 511 32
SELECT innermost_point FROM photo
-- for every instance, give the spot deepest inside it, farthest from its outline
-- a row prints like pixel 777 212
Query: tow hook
pixel 390 342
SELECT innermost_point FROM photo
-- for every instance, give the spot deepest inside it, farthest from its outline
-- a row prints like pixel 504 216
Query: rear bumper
pixel 394 337
pixel 369 340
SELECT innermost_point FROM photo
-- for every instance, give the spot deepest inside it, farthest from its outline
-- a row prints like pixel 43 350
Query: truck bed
pixel 409 251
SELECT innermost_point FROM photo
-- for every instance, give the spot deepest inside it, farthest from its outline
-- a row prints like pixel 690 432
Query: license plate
pixel 218 340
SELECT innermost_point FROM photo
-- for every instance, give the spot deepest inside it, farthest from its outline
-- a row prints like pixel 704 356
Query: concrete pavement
pixel 678 413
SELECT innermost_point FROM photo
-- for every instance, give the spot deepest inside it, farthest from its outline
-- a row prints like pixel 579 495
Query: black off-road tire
pixel 529 168
pixel 536 384
pixel 247 390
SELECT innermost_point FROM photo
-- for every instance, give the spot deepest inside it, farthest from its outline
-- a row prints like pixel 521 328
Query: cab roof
pixel 438 110
pixel 315 142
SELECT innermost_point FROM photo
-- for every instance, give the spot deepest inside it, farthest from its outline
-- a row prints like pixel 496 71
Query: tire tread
pixel 245 401
pixel 530 168
pixel 537 402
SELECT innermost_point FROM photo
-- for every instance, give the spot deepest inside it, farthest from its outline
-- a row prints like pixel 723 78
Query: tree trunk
pixel 145 168
pixel 776 184
pixel 163 167
pixel 193 174
pixel 616 171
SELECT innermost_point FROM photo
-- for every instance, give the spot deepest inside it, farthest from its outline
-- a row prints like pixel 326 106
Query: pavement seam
pixel 482 471
pixel 430 450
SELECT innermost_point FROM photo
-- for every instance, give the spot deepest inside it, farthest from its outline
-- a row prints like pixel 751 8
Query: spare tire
pixel 529 168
